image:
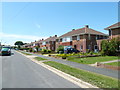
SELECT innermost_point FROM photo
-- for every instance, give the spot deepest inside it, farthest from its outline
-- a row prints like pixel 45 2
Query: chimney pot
pixel 55 35
pixel 73 29
pixel 87 26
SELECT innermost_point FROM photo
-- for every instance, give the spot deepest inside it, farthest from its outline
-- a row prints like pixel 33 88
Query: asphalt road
pixel 20 72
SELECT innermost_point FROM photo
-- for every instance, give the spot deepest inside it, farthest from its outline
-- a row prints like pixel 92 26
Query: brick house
pixel 81 39
pixel 49 43
pixel 114 30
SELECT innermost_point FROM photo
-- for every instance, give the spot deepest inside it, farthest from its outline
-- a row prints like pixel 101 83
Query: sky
pixel 30 21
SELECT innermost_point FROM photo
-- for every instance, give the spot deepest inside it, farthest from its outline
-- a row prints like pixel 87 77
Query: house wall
pixel 115 33
pixel 86 42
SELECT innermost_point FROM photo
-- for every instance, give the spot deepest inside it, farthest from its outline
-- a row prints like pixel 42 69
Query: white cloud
pixel 11 38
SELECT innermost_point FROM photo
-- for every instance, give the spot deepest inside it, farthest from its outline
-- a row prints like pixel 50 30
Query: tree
pixel 19 43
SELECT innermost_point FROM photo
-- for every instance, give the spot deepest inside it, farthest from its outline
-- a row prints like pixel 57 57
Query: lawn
pixel 92 60
pixel 93 78
pixel 113 64
pixel 40 59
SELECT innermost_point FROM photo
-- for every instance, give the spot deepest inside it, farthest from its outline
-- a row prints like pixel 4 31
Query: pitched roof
pixel 85 30
pixel 51 38
pixel 116 25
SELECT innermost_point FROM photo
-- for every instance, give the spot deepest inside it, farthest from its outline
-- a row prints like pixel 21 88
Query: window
pixel 110 32
pixel 43 43
pixel 66 39
pixel 89 47
pixel 89 36
pixel 74 37
pixel 52 42
pixel 97 37
pixel 95 47
pixel 78 37
pixel 52 48
pixel 81 47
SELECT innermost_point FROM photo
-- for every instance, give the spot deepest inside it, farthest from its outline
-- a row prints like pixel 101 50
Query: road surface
pixel 20 72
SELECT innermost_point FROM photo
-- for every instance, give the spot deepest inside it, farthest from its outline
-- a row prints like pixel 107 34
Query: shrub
pixel 30 50
pixel 91 52
pixel 60 49
pixel 110 47
pixel 49 51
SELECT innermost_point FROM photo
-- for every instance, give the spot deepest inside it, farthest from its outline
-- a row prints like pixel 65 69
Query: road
pixel 20 72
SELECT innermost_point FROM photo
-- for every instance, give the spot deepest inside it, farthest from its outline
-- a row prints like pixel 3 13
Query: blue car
pixel 5 51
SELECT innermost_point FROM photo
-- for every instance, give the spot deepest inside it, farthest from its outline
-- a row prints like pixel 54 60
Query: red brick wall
pixel 115 33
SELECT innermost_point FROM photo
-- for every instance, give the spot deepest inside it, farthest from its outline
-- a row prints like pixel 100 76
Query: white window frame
pixel 78 37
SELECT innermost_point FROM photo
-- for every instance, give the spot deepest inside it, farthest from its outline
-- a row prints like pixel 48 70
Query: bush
pixel 60 49
pixel 91 52
pixel 110 47
pixel 49 51
pixel 30 50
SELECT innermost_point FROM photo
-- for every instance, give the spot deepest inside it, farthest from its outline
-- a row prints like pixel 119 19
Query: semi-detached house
pixel 49 43
pixel 114 30
pixel 82 39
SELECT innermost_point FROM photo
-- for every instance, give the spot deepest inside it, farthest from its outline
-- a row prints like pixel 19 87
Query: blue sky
pixel 29 21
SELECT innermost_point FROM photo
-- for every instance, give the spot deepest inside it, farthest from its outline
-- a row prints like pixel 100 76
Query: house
pixel 114 30
pixel 82 39
pixel 49 43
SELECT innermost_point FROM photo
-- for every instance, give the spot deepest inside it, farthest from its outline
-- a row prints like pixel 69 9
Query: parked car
pixel 71 50
pixel 5 51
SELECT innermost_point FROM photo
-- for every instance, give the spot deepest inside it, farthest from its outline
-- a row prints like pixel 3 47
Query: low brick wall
pixel 108 66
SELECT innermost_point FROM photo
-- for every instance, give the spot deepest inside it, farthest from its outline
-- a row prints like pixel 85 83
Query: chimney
pixel 55 35
pixel 86 26
pixel 73 29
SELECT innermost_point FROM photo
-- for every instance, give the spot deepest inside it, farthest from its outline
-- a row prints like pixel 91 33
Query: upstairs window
pixel 110 32
pixel 78 37
pixel 74 37
pixel 89 36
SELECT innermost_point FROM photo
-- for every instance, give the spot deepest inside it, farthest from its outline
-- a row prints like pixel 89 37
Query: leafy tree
pixel 19 43
pixel 110 47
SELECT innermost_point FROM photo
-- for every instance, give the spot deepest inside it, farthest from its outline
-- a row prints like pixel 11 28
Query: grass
pixel 113 64
pixel 26 53
pixel 93 78
pixel 92 60
pixel 40 59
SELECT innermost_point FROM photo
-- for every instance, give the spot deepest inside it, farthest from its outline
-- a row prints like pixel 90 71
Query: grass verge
pixel 113 64
pixel 40 59
pixel 92 60
pixel 26 53
pixel 93 78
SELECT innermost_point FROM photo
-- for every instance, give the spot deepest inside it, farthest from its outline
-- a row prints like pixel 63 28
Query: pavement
pixel 111 61
pixel 102 71
pixel 20 72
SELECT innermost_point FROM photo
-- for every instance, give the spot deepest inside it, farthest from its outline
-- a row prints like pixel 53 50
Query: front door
pixel 95 48
pixel 75 46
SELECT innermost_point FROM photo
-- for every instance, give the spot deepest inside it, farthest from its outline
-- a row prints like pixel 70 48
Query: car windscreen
pixel 4 49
